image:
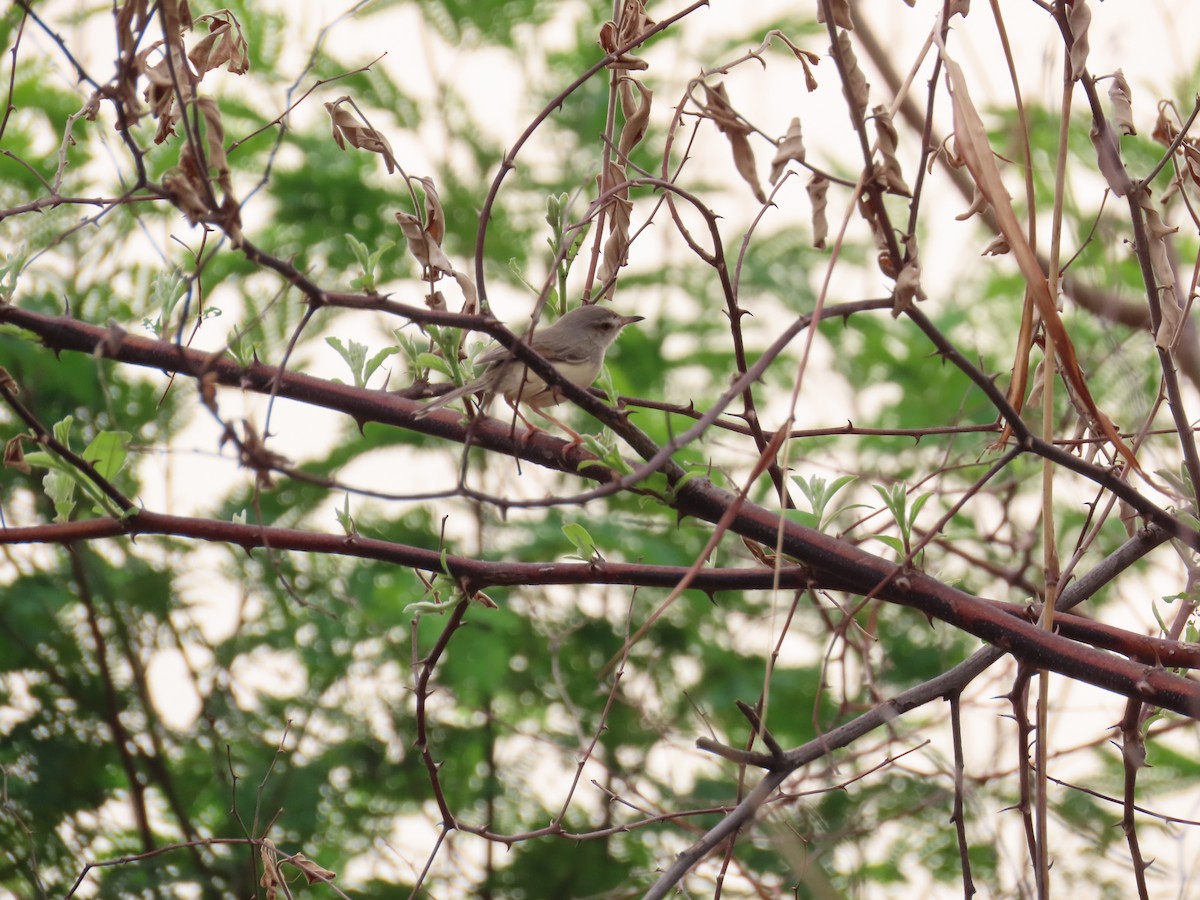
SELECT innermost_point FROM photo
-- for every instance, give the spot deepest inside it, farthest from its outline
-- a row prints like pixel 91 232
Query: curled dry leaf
pixel 841 13
pixel 908 288
pixel 807 58
pixel 998 247
pixel 170 79
pixel 636 111
pixel 131 20
pixel 470 295
pixel 1164 129
pixel 790 148
pixel 186 190
pixel 14 454
pixel 867 209
pixel 818 188
pixel 1122 103
pixel 729 123
pixel 855 87
pixel 422 246
pixel 348 130
pixel 177 13
pixel 972 143
pixel 1166 132
pixel 313 873
pixel 1129 518
pixel 1171 320
pixel 435 216
pixel 208 391
pixel 223 45
pixel 620 212
pixel 1191 159
pixel 1108 157
pixel 632 22
pixel 888 171
pixel 978 206
pixel 611 183
pixel 424 238
pixel 1079 17
pixel 272 878
pixel 214 139
pixel 1038 390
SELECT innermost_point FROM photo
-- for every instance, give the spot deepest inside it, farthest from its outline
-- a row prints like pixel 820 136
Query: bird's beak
pixel 629 320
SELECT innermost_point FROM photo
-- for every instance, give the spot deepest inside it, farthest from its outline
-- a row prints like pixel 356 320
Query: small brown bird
pixel 575 345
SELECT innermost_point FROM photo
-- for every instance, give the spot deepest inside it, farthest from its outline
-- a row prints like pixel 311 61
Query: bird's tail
pixel 445 399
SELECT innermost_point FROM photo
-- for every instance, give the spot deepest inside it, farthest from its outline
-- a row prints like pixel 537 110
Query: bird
pixel 575 345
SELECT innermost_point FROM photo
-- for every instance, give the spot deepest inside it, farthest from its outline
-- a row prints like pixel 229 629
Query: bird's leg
pixel 532 429
pixel 576 437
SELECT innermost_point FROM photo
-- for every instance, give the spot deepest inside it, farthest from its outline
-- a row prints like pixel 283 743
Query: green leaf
pixel 60 488
pixel 435 362
pixel 345 519
pixel 62 431
pixel 585 547
pixel 372 365
pixel 894 542
pixel 107 452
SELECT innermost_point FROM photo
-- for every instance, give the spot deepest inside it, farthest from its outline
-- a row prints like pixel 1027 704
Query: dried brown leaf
pixel 223 45
pixel 168 80
pixel 1171 324
pixel 421 244
pixel 1121 99
pixel 810 80
pixel 272 878
pixel 435 216
pixel 348 130
pixel 998 247
pixel 978 206
pixel 908 288
pixel 186 191
pixel 807 58
pixel 131 20
pixel 818 188
pixel 841 13
pixel 791 147
pixel 636 111
pixel 1164 276
pixel 214 134
pixel 177 15
pixel 470 293
pixel 313 873
pixel 620 212
pixel 1038 389
pixel 631 23
pixel 208 391
pixel 14 454
pixel 718 107
pixel 1108 157
pixel 1164 129
pixel 1079 17
pixel 972 143
pixel 855 87
pixel 1191 160
pixel 888 171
